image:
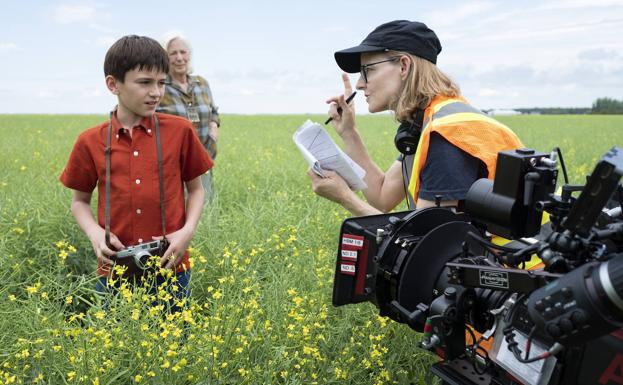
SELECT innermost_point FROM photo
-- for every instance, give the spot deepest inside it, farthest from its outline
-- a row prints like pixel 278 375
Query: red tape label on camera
pixel 352 242
pixel 349 255
pixel 347 268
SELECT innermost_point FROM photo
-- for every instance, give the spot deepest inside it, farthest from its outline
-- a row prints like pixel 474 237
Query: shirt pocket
pixel 172 180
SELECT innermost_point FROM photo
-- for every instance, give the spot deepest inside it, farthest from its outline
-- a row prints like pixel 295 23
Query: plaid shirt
pixel 175 101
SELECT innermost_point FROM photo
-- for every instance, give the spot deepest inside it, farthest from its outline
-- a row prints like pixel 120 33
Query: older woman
pixel 190 96
pixel 456 143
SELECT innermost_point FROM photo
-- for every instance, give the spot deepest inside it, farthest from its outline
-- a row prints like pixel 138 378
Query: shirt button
pixel 140 240
pixel 117 136
pixel 138 211
pixel 135 153
pixel 149 130
pixel 138 181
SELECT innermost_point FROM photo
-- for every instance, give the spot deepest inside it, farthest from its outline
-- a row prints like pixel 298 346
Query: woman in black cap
pixel 445 143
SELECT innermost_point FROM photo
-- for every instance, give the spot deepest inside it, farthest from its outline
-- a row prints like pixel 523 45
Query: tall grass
pixel 263 264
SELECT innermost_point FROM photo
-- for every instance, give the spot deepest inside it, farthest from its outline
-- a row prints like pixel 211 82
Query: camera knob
pixel 566 325
pixel 578 318
pixel 566 292
pixel 553 330
pixel 548 313
pixel 450 293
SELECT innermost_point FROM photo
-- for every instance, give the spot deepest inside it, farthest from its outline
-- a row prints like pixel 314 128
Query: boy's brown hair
pixel 135 52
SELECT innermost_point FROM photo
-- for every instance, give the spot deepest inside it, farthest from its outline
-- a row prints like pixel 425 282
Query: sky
pixel 276 57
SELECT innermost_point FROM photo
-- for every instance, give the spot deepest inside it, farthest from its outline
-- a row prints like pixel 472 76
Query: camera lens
pixel 141 258
pixel 611 279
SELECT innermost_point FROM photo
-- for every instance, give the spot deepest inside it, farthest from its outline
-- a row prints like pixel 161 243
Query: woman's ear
pixel 405 65
pixel 111 84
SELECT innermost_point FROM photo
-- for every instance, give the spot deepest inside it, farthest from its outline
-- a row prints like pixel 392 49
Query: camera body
pixel 136 257
pixel 438 271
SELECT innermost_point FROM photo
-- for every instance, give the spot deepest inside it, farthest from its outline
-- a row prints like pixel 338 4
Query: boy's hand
pixel 178 243
pixel 98 240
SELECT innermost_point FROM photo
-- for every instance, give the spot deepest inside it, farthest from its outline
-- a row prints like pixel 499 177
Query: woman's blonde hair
pixel 174 35
pixel 424 81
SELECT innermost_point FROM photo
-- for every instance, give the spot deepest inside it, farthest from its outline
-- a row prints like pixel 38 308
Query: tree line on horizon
pixel 601 106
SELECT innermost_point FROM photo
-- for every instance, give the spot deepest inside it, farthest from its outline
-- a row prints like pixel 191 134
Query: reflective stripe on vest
pixel 480 136
pixel 407 167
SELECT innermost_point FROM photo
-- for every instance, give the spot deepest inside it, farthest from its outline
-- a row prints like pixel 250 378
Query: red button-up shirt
pixel 134 187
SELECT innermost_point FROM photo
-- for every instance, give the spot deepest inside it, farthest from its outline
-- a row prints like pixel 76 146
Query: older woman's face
pixel 179 56
pixel 383 81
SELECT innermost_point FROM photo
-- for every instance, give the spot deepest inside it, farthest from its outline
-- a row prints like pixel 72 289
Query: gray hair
pixel 174 35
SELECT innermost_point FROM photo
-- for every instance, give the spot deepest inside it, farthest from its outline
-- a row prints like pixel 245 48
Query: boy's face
pixel 141 91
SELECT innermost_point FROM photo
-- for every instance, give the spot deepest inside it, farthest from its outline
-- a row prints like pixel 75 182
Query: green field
pixel 263 260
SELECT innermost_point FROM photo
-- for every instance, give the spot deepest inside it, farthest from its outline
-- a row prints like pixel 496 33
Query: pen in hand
pixel 339 109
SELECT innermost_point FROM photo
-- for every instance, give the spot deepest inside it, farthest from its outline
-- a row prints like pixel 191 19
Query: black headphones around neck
pixel 408 134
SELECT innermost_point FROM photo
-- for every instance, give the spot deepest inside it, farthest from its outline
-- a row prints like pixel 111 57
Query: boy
pixel 135 68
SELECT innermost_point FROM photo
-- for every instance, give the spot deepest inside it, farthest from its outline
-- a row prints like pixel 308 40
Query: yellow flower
pixel 69 299
pixel 12 297
pixel 100 314
pixel 34 288
pixel 138 378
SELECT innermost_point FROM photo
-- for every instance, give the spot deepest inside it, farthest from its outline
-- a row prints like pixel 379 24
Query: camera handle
pixel 415 319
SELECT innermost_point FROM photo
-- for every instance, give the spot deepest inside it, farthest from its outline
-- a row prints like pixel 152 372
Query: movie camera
pixel 500 297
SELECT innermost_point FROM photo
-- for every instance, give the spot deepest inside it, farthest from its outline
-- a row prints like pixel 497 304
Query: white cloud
pixel 92 92
pixel 448 17
pixel 598 54
pixel 6 47
pixel 105 41
pixel 47 94
pixel 67 14
pixel 487 92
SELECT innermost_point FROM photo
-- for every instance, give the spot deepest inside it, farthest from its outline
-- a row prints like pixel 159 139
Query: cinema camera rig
pixel 490 318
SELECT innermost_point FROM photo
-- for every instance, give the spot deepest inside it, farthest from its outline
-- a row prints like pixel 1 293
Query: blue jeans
pixel 183 291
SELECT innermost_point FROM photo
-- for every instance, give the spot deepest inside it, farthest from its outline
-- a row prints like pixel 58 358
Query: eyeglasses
pixel 364 68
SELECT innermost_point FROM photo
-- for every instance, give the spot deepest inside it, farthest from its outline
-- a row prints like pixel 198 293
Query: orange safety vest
pixel 465 127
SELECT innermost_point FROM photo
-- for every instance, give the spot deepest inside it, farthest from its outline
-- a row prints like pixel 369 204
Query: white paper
pixel 321 153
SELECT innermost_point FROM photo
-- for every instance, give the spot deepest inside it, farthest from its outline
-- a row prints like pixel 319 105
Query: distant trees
pixel 607 106
pixel 555 110
pixel 601 106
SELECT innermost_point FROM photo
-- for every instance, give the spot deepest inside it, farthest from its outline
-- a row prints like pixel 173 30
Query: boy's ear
pixel 111 83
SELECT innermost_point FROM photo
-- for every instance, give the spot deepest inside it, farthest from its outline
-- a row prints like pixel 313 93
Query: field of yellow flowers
pixel 263 259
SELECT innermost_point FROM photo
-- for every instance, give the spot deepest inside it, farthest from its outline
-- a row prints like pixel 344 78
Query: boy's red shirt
pixel 134 189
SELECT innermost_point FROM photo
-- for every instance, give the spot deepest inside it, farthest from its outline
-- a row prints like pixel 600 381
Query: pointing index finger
pixel 348 88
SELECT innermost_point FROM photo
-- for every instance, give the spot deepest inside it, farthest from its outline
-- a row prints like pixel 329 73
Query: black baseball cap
pixel 398 35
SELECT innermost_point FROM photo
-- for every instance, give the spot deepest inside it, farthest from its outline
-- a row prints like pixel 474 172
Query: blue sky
pixel 277 56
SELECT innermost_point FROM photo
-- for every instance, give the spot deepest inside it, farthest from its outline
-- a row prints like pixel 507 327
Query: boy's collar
pixel 146 123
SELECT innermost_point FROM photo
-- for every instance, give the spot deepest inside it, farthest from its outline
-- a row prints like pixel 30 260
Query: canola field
pixel 263 263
